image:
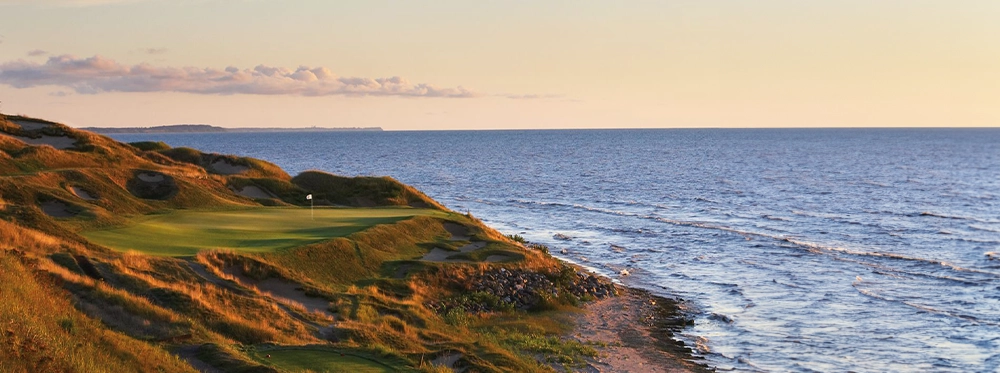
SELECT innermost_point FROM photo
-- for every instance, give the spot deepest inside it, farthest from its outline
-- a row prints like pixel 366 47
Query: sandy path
pixel 624 324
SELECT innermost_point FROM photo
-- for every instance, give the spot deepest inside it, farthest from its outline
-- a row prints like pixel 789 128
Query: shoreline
pixel 634 332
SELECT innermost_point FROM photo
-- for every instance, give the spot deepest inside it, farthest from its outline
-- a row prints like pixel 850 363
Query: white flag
pixel 309 196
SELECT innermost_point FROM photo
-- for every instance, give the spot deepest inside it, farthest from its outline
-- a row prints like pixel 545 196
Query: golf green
pixel 184 232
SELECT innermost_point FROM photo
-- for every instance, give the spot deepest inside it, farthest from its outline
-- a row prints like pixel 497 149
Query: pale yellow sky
pixel 503 64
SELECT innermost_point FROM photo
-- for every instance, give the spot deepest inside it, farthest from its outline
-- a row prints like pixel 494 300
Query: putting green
pixel 320 360
pixel 184 232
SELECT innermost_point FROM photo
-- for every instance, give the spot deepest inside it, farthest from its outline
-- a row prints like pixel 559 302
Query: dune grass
pixel 42 331
pixel 186 232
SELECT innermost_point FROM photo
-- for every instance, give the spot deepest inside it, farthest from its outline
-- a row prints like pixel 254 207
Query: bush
pixel 517 238
pixel 457 317
pixel 539 247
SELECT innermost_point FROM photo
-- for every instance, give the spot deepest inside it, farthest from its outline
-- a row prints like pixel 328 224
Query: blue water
pixel 801 250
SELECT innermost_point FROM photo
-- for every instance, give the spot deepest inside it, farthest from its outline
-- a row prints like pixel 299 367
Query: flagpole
pixel 312 212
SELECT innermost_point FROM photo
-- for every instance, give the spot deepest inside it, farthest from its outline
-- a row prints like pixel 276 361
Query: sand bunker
pixel 442 255
pixel 83 193
pixel 57 209
pixel 150 177
pixel 31 126
pixel 58 142
pixel 285 291
pixel 152 185
pixel 292 292
pixel 254 192
pixel 221 166
pixel 458 232
pixel 472 247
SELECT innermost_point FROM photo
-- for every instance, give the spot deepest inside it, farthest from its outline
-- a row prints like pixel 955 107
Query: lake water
pixel 802 249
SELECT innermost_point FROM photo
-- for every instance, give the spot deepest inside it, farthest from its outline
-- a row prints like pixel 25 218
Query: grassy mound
pixel 226 164
pixel 362 191
pixel 150 145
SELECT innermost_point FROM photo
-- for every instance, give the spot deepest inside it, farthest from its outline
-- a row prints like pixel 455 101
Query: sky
pixel 512 64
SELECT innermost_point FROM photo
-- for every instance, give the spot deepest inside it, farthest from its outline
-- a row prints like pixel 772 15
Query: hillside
pixel 205 128
pixel 141 257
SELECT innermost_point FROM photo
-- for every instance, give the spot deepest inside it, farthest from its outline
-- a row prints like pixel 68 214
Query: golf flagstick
pixel 312 214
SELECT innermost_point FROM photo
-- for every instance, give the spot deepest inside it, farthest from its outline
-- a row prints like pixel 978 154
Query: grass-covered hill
pixel 145 258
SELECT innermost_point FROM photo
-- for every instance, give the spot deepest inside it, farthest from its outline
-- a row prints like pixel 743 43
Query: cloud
pixel 37 52
pixel 153 51
pixel 94 75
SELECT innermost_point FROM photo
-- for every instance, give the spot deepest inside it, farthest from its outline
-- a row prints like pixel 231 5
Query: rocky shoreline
pixel 633 328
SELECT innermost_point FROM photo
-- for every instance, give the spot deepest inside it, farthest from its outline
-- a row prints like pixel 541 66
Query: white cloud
pixel 94 75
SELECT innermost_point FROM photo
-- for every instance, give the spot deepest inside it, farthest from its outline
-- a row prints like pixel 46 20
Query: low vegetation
pixel 145 258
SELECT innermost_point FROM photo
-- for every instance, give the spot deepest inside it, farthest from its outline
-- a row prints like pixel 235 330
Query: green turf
pixel 320 360
pixel 184 232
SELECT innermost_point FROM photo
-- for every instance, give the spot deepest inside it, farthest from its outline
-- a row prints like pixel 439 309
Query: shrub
pixel 539 247
pixel 517 238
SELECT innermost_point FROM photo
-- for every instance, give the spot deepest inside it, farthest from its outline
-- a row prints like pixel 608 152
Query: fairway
pixel 184 233
pixel 320 360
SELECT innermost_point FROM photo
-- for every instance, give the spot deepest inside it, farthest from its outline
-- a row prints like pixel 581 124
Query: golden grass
pixel 40 331
pixel 13 236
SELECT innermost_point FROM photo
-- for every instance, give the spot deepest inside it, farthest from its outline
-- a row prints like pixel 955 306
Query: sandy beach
pixel 636 329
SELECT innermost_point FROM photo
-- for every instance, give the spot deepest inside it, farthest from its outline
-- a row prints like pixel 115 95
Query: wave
pixel 895 256
pixel 942 216
pixel 956 217
pixel 984 229
pixel 952 314
pixel 810 246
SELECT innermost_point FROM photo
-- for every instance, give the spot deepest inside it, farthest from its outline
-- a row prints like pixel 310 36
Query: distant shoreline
pixel 204 128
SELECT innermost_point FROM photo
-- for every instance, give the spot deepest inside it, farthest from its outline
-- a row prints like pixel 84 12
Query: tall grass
pixel 40 331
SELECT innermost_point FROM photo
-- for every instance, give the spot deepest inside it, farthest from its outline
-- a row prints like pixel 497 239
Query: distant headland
pixel 205 128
